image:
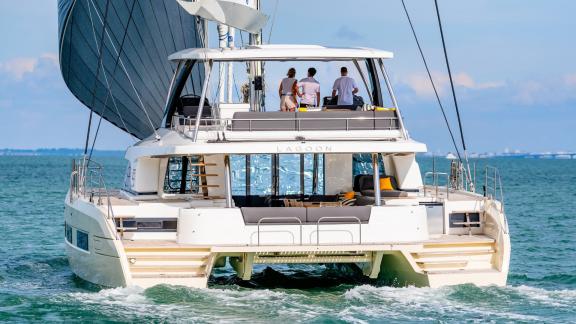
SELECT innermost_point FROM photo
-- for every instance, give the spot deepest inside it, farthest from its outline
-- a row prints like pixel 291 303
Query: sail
pixel 114 57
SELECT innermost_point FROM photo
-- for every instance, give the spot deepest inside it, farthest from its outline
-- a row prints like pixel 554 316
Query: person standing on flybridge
pixel 288 91
pixel 310 90
pixel 346 88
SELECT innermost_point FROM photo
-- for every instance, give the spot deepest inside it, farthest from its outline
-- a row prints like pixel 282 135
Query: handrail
pixel 192 123
pixel 82 183
pixel 493 185
pixel 278 218
pixel 339 217
pixel 435 175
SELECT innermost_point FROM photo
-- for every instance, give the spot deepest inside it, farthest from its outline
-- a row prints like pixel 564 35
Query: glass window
pixel 68 232
pixel 82 240
pixel 362 164
pixel 187 167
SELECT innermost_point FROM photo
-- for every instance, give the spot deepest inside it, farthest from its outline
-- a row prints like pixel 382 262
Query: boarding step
pixel 458 248
pixel 153 275
pixel 153 263
pixel 455 256
pixel 167 268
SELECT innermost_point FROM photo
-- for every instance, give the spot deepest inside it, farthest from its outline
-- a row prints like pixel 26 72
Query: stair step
pixel 454 258
pixel 139 262
pixel 167 255
pixel 203 164
pixel 164 249
pixel 452 253
pixel 167 275
pixel 167 268
pixel 471 272
pixel 458 249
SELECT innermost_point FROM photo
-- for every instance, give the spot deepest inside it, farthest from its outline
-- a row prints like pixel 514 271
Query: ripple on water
pixel 36 283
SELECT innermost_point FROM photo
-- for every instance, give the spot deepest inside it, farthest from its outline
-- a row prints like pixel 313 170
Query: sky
pixel 512 62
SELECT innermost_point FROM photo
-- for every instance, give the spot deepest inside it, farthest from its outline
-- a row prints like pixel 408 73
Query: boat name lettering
pixel 304 148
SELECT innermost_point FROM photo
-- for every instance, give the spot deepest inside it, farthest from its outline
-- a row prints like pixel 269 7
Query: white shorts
pixel 287 103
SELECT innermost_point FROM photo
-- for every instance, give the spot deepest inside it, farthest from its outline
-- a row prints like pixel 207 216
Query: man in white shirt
pixel 310 90
pixel 345 87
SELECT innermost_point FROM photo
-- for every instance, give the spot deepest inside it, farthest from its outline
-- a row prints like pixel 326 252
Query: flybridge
pixel 282 53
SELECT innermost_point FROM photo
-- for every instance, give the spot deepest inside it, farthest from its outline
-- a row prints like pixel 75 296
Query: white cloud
pixel 19 67
pixel 421 85
pixel 570 80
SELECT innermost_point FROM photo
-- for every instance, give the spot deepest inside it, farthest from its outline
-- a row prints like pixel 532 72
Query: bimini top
pixel 281 53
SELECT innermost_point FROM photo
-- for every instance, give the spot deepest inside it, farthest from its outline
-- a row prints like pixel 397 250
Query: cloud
pixel 347 33
pixel 18 68
pixel 420 83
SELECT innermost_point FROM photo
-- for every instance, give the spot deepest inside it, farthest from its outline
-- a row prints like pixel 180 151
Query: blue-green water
pixel 36 283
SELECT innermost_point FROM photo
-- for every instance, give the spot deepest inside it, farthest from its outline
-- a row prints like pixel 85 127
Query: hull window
pixel 68 233
pixel 82 240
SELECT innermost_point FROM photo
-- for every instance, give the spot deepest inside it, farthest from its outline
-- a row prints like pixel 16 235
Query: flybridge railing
pixel 184 124
pixel 87 181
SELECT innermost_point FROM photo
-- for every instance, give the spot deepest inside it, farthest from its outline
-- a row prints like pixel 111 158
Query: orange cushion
pixel 386 184
pixel 349 195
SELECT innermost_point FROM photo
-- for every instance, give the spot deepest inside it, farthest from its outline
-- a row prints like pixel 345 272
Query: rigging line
pixel 88 133
pixel 98 49
pixel 106 78
pixel 432 81
pixel 450 75
pixel 127 74
pixel 273 20
pixel 468 175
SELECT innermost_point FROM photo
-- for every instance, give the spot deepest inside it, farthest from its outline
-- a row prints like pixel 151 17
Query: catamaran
pixel 206 187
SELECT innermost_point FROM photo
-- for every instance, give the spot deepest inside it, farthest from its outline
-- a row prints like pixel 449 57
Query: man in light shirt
pixel 345 87
pixel 310 90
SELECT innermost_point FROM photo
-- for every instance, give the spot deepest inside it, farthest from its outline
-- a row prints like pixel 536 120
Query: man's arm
pixel 318 99
pixel 334 88
pixel 280 90
pixel 355 90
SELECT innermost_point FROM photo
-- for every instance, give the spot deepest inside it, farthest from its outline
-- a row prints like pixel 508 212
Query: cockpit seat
pixel 188 106
pixel 364 184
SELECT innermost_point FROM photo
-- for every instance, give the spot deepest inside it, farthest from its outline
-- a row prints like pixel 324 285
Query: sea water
pixel 37 285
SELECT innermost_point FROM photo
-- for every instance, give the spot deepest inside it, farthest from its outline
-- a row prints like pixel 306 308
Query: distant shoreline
pixel 58 152
pixel 120 153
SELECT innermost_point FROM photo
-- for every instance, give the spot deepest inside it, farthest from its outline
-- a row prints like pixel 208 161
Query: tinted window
pixel 182 175
pixel 82 240
pixel 68 233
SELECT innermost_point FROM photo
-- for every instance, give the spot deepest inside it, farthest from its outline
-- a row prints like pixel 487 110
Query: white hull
pixel 395 245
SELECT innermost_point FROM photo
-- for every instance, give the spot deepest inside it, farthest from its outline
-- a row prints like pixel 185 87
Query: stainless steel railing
pixel 493 188
pixel 87 181
pixel 435 182
pixel 339 218
pixel 262 220
pixel 184 124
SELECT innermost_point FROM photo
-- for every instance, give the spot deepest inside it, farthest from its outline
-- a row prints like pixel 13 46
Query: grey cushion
pixel 365 201
pixel 277 215
pixel 382 124
pixel 313 214
pixel 385 193
pixel 264 121
pixel 328 120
